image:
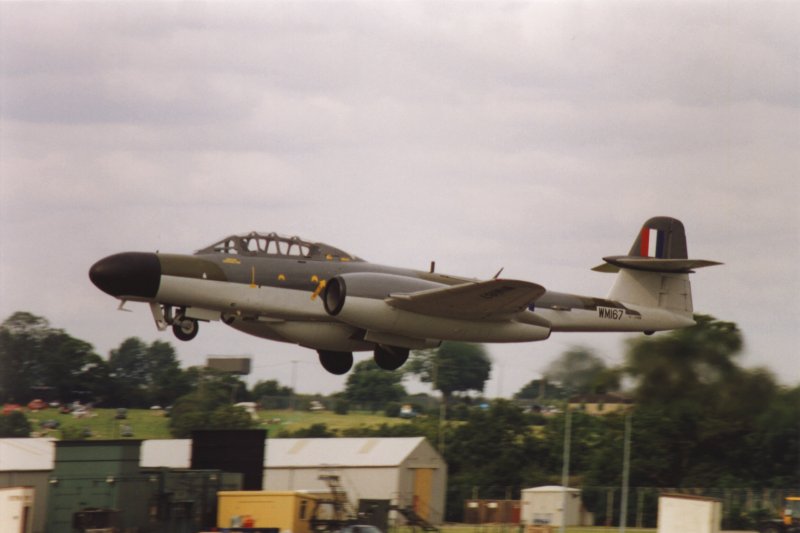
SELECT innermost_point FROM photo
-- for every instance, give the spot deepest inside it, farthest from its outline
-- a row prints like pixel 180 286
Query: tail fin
pixel 655 273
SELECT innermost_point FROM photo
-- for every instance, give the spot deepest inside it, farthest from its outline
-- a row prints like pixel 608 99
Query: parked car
pixel 10 408
pixel 407 411
pixel 37 405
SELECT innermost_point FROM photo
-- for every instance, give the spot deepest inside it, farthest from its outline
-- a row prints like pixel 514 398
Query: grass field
pixel 499 528
pixel 147 424
pixel 294 420
pixel 144 423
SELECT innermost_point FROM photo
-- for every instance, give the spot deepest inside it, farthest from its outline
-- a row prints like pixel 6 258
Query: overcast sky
pixel 535 136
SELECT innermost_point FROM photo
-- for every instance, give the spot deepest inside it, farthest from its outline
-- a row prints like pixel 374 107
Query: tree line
pixel 698 418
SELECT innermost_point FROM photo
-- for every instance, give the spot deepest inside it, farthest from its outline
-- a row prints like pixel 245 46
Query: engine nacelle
pixel 369 285
pixel 359 300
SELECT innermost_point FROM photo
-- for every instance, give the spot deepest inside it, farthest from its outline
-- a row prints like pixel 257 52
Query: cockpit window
pixel 271 244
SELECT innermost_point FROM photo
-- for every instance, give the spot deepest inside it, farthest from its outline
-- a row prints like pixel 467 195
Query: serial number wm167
pixel 610 313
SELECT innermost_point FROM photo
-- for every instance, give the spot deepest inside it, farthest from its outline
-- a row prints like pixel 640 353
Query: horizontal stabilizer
pixel 493 299
pixel 650 264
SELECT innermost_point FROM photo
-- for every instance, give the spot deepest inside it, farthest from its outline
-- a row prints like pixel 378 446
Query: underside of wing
pixel 495 299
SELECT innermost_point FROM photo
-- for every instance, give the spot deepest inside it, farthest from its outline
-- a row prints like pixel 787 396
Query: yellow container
pixel 290 512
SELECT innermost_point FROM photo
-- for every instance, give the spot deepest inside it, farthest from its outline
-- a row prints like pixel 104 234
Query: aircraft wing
pixel 493 299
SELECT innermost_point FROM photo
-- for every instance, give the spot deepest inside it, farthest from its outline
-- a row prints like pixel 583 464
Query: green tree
pixel 15 424
pixel 370 384
pixel 580 371
pixel 145 374
pixel 453 367
pixel 693 401
pixel 35 355
pixel 776 441
pixel 210 405
pixel 270 388
pixel 495 449
pixel 676 365
pixel 540 389
pixel 314 431
pixel 271 395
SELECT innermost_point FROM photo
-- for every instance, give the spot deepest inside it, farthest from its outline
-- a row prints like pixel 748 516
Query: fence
pixel 742 508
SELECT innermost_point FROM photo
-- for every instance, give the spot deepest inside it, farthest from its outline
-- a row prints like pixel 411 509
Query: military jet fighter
pixel 308 293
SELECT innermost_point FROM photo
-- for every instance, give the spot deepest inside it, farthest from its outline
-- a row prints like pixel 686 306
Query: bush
pixel 392 409
pixel 314 431
pixel 341 406
pixel 14 424
pixel 75 433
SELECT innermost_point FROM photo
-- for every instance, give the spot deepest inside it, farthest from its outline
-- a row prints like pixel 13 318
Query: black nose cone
pixel 128 275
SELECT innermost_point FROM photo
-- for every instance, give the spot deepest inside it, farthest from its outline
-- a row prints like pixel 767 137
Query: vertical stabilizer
pixel 655 273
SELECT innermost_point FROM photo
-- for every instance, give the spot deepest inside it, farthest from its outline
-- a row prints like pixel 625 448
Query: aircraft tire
pixel 390 357
pixel 185 329
pixel 336 362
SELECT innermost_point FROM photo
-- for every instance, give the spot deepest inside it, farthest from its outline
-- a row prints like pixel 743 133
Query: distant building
pixel 600 404
pixel 407 471
pixel 546 506
pixel 28 463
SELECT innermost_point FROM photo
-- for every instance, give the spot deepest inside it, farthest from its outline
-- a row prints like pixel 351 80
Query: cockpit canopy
pixel 256 244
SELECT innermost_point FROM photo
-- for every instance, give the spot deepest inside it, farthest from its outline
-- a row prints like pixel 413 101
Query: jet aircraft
pixel 308 293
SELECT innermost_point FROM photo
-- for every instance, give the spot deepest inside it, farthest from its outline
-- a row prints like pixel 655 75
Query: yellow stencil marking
pixel 253 277
pixel 314 279
pixel 231 261
pixel 281 277
pixel 318 289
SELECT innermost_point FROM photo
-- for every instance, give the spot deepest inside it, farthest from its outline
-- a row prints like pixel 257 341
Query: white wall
pixel 16 510
pixel 688 514
pixel 377 483
pixel 544 507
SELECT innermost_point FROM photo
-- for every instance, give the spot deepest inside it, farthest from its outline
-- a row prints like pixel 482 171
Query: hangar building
pixel 407 471
pixel 28 463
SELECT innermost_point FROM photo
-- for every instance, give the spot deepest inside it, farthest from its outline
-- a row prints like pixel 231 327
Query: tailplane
pixel 655 273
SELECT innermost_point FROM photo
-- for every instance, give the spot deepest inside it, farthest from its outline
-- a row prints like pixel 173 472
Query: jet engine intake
pixel 371 285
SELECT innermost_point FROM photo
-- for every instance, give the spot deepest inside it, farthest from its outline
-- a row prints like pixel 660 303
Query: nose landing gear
pixel 185 329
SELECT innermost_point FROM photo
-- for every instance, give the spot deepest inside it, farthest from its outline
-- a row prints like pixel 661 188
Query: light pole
pixel 565 468
pixel 294 381
pixel 626 468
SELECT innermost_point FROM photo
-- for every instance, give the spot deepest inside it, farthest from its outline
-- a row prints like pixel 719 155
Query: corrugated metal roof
pixel 26 454
pixel 285 453
pixel 39 454
pixel 551 488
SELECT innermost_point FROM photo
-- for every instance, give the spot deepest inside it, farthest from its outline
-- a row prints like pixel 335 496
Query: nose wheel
pixel 185 329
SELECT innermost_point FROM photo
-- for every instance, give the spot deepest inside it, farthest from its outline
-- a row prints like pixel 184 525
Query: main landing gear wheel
pixel 185 329
pixel 336 362
pixel 390 357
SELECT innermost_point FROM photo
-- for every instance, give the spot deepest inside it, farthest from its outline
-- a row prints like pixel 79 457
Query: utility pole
pixel 294 381
pixel 626 468
pixel 565 468
pixel 442 407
